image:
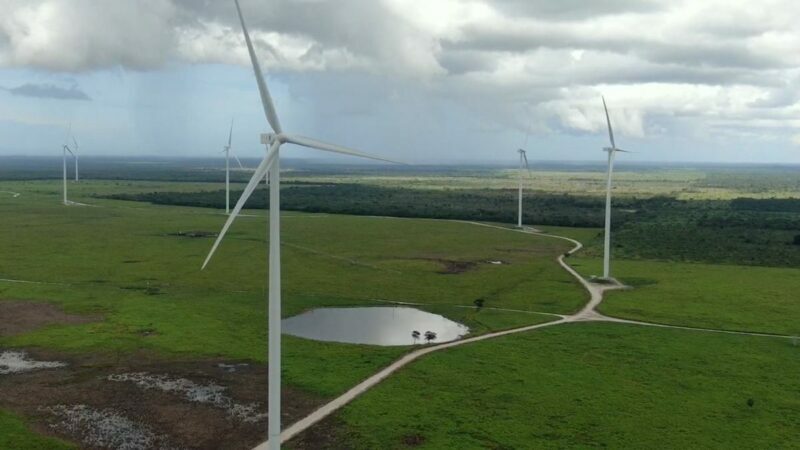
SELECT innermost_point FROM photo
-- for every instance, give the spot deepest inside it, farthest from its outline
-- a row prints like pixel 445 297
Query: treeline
pixel 494 205
pixel 741 231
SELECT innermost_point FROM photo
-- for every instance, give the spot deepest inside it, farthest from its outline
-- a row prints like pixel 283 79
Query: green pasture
pixel 586 386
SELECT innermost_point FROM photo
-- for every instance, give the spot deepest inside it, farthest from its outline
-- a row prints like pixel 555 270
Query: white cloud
pixel 712 64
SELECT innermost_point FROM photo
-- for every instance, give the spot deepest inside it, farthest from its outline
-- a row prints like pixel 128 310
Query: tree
pixel 415 335
pixel 429 336
pixel 796 239
pixel 478 303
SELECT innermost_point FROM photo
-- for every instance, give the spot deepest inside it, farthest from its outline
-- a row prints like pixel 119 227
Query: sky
pixel 424 81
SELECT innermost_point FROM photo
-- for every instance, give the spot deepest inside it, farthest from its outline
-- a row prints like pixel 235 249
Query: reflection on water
pixel 376 326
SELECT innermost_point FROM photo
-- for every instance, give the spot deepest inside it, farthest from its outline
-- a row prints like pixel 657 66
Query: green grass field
pixel 739 298
pixel 586 385
pixel 123 262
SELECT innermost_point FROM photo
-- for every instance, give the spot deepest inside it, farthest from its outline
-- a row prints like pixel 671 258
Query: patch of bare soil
pixel 17 317
pixel 450 266
pixel 101 401
pixel 195 234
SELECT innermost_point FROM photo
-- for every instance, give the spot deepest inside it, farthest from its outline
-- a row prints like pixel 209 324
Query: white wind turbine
pixel 523 165
pixel 611 151
pixel 271 164
pixel 65 149
pixel 227 151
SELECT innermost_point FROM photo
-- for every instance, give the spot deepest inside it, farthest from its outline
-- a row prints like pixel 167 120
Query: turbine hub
pixel 270 138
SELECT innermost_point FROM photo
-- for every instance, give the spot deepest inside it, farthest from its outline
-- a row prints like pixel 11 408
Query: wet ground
pixel 135 401
pixel 28 316
pixel 141 402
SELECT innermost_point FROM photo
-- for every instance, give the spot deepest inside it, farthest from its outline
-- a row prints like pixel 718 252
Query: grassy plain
pixel 585 385
pixel 738 298
pixel 123 261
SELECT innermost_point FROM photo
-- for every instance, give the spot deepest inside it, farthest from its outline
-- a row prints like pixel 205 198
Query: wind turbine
pixel 611 151
pixel 227 151
pixel 523 164
pixel 271 164
pixel 65 150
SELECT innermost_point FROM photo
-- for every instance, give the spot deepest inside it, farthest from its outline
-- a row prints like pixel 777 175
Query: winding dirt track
pixel 589 313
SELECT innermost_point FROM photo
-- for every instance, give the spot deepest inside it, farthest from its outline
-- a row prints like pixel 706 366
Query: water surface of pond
pixel 373 325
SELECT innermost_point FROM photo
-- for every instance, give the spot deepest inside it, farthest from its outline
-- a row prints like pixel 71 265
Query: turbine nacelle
pixel 271 138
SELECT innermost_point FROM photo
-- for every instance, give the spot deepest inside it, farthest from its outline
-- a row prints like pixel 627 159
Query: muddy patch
pixel 194 234
pixel 109 401
pixel 13 362
pixel 29 316
pixel 106 428
pixel 209 393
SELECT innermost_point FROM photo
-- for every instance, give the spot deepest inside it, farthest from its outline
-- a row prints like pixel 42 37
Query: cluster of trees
pixel 495 205
pixel 740 231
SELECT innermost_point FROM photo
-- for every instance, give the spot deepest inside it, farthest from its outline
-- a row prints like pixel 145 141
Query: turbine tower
pixel 523 165
pixel 271 164
pixel 227 151
pixel 611 152
pixel 65 150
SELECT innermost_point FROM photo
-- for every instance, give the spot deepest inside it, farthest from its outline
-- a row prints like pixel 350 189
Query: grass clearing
pixel 126 263
pixel 739 298
pixel 585 385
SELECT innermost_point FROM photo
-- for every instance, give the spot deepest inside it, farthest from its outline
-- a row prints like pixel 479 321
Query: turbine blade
pixel 623 151
pixel 266 99
pixel 76 143
pixel 319 145
pixel 230 134
pixel 237 160
pixel 261 172
pixel 66 147
pixel 608 120
pixel 525 158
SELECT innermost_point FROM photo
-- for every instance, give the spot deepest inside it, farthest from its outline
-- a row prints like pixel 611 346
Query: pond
pixel 374 325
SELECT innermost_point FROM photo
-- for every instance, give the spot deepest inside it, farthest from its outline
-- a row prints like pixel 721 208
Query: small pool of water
pixel 374 325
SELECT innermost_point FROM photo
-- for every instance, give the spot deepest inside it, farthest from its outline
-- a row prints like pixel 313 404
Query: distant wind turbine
pixel 523 166
pixel 75 154
pixel 611 151
pixel 271 164
pixel 66 150
pixel 227 151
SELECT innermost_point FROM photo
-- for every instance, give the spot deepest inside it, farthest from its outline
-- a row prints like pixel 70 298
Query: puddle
pixel 230 368
pixel 18 362
pixel 374 325
pixel 106 428
pixel 211 393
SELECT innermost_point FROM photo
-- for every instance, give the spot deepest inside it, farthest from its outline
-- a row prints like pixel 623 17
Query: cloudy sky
pixel 421 80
